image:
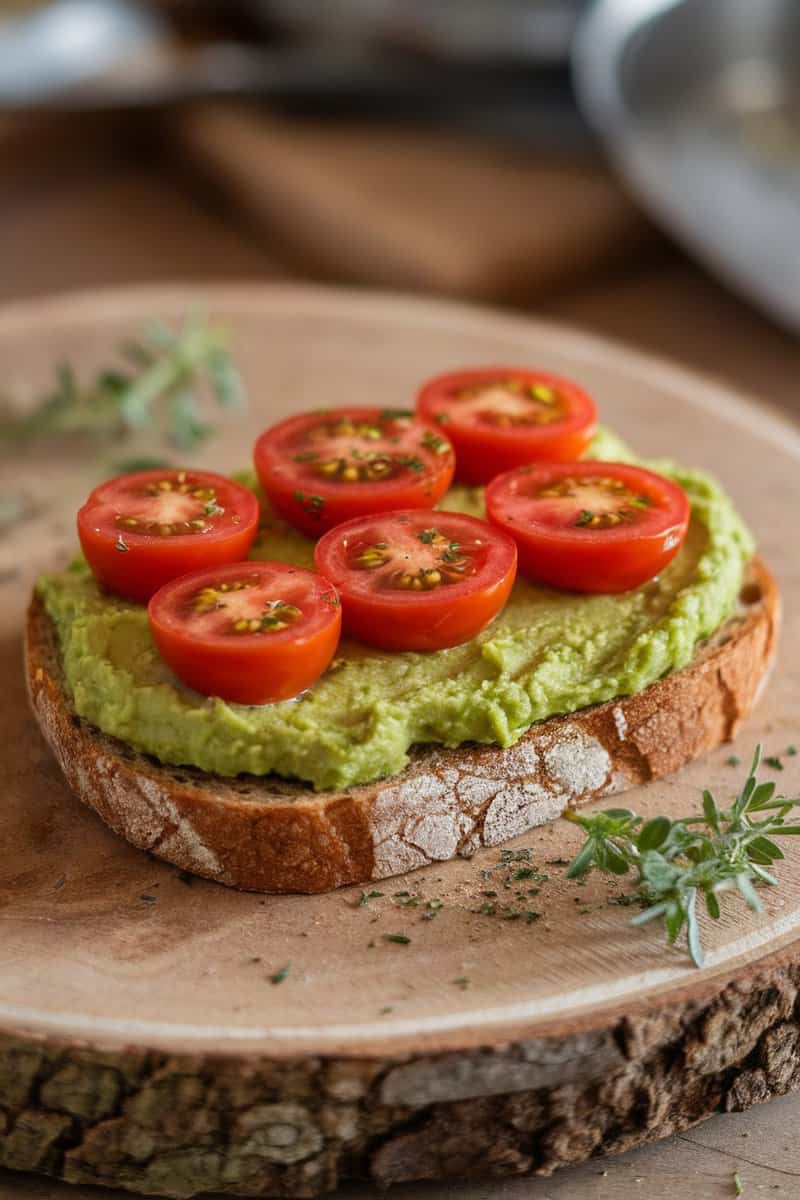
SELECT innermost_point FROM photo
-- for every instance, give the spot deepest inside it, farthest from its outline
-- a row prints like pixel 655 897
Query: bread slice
pixel 271 835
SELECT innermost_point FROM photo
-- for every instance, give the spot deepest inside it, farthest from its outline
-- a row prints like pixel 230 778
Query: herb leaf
pixel 158 386
pixel 676 861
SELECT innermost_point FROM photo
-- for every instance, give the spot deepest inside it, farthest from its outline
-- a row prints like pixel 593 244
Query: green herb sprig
pixel 697 856
pixel 157 386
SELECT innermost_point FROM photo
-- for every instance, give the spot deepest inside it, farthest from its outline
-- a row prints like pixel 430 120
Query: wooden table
pixel 119 218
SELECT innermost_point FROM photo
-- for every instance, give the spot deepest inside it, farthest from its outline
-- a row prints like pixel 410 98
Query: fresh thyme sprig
pixel 157 386
pixel 677 861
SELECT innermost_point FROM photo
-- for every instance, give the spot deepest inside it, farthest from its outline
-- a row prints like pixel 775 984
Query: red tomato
pixel 322 468
pixel 250 632
pixel 139 531
pixel 503 417
pixel 418 579
pixel 590 526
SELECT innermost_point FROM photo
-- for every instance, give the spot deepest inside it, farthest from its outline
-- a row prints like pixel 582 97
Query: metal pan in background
pixel 82 55
pixel 698 102
pixel 530 31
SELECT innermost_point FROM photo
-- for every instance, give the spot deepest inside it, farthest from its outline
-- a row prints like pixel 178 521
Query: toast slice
pixel 271 835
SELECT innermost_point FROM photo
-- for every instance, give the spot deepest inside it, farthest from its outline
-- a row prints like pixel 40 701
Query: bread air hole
pixel 751 593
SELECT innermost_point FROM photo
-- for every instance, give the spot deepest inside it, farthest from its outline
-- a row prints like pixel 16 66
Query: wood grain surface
pixel 132 1002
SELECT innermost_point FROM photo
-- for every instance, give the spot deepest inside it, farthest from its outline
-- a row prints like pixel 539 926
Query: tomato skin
pixel 582 559
pixel 147 562
pixel 483 451
pixel 313 504
pixel 249 668
pixel 398 621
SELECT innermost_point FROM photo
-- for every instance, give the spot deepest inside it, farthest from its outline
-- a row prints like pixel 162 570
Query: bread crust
pixel 271 835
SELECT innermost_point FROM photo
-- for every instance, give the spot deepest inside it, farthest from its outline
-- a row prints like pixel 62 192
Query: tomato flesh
pixel 248 632
pixel 141 530
pixel 320 469
pixel 417 579
pixel 590 526
pixel 503 417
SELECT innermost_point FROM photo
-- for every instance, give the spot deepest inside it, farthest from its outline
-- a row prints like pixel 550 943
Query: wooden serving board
pixel 142 1042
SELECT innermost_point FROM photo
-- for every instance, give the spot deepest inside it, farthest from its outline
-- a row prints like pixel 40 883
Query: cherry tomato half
pixel 590 526
pixel 417 579
pixel 319 469
pixel 139 531
pixel 249 632
pixel 503 417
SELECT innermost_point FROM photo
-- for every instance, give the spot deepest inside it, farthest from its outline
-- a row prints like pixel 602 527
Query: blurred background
pixel 629 166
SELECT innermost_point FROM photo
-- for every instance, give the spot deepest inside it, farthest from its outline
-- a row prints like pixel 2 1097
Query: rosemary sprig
pixel 157 385
pixel 697 856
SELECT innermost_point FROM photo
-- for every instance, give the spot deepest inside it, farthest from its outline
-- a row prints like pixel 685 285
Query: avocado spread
pixel 548 652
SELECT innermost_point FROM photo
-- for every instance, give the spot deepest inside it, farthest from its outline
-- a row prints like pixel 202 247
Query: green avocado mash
pixel 548 652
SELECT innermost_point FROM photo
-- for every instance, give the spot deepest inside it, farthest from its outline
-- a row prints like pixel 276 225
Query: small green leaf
pixel 649 914
pixel 225 380
pixel 767 847
pixel 615 859
pixel 763 874
pixel 761 796
pixel 712 904
pixel 745 886
pixel 674 919
pixel 654 833
pixel 710 811
pixel 693 929
pixel 658 872
pixel 582 861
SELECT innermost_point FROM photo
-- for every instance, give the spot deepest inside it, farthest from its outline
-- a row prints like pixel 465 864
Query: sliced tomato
pixel 139 531
pixel 320 469
pixel 417 579
pixel 503 417
pixel 590 526
pixel 249 632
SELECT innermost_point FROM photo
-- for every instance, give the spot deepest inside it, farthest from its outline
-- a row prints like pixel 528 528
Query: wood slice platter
pixel 142 1041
